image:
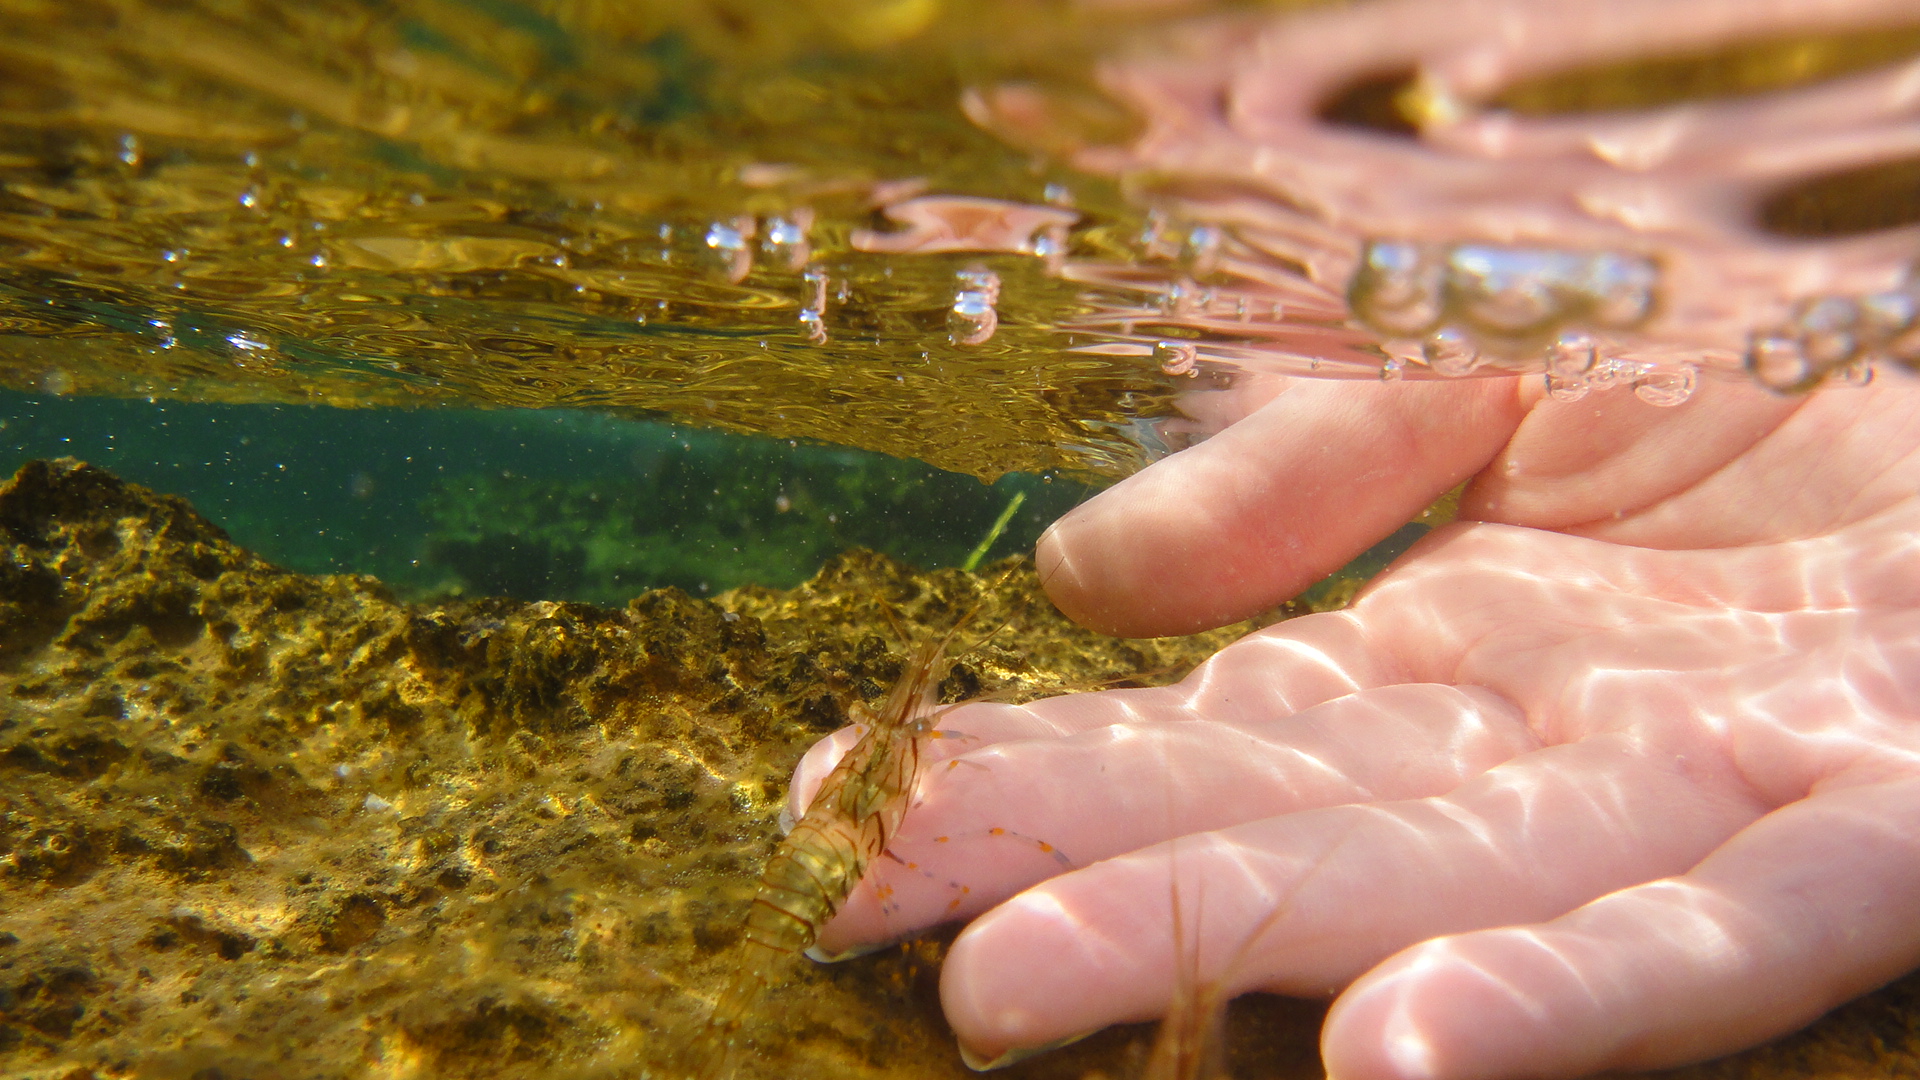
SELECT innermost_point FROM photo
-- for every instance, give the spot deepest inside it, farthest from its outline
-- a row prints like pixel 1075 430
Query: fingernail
pixel 1015 1055
pixel 819 955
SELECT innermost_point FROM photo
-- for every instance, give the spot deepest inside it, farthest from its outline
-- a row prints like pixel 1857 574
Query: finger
pixel 1278 671
pixel 1527 841
pixel 1814 904
pixel 996 821
pixel 1232 526
pixel 1610 455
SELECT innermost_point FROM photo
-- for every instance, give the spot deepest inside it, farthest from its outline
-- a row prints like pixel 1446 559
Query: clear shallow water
pixel 557 504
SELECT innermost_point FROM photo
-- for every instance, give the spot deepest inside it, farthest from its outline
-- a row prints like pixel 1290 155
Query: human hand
pixel 1626 775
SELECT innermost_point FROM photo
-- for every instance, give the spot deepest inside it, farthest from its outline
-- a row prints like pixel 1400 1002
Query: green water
pixel 536 504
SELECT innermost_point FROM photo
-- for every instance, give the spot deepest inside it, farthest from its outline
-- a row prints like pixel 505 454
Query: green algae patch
pixel 259 824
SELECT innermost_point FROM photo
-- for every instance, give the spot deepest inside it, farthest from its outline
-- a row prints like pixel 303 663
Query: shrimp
pixel 851 820
pixel 1190 1043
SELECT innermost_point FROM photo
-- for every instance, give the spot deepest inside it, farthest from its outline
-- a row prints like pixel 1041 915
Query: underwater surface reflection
pixel 576 380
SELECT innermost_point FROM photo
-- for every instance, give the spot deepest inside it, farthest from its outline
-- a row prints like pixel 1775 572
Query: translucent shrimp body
pixel 851 820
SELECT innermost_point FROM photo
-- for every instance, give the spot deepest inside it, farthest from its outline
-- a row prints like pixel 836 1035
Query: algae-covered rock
pixel 278 825
pixel 260 824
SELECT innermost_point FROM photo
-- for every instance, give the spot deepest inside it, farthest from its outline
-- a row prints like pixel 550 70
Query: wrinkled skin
pixel 1622 772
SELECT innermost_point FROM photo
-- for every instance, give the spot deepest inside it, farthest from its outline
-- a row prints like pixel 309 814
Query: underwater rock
pixel 255 823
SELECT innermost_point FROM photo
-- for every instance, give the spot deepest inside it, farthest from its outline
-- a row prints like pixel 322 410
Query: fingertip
pixel 1226 529
pixel 1453 1008
pixel 1015 980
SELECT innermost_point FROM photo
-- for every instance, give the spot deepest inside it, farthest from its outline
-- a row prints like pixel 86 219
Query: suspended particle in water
pixel 1666 387
pixel 1057 195
pixel 130 151
pixel 1177 357
pixel 1397 288
pixel 1449 353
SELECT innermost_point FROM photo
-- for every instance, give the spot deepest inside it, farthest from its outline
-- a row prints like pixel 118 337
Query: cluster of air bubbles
pixel 1839 336
pixel 130 151
pixel 975 314
pixel 1577 364
pixel 1494 298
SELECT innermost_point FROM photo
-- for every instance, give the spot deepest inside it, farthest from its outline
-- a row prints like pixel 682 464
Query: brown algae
pixel 255 823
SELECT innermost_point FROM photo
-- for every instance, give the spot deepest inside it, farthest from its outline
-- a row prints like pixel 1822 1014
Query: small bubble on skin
pixel 1777 362
pixel 1666 387
pixel 1562 388
pixel 1392 368
pixel 1448 353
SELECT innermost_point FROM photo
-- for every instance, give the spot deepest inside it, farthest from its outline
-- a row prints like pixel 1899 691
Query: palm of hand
pixel 1540 803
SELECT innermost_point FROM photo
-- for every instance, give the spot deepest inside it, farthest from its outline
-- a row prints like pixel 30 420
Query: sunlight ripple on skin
pixel 1540 804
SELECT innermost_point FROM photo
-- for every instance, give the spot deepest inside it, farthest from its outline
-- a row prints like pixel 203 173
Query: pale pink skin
pixel 939 223
pixel 1625 774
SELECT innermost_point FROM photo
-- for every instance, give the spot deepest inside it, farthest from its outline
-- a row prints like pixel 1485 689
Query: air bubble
pixel 787 239
pixel 1621 289
pixel 815 324
pixel 1826 331
pixel 1448 353
pixel 1511 291
pixel 1397 288
pixel 1571 356
pixel 973 318
pixel 1666 387
pixel 1858 373
pixel 1775 359
pixel 1177 357
pixel 1201 250
pixel 1563 388
pixel 728 240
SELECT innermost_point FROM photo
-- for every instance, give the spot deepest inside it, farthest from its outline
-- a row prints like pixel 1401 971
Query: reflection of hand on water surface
pixel 1624 776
